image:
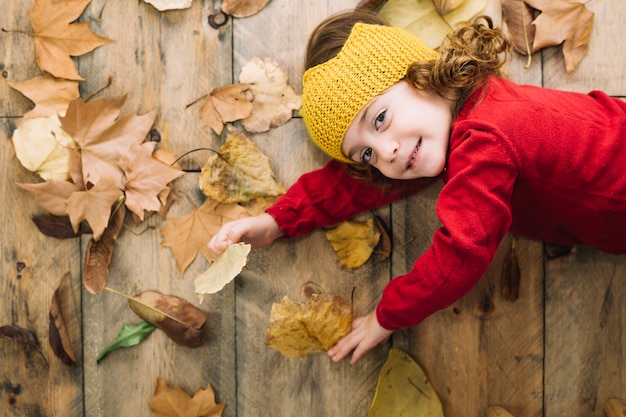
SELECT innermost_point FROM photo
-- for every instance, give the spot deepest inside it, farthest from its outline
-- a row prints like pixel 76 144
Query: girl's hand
pixel 366 333
pixel 258 231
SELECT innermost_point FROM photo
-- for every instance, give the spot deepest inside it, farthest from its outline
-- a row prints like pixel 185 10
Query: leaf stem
pixel 528 51
pixel 107 85
pixel 23 32
pixel 198 149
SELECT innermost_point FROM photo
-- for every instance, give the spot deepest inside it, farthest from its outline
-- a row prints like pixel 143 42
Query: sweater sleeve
pixel 474 207
pixel 329 195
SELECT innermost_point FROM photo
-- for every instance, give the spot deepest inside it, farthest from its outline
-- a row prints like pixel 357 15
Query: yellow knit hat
pixel 373 59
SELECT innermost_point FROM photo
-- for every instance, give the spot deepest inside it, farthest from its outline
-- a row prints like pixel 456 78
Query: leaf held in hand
pixel 223 270
pixel 129 335
pixel 297 330
pixel 179 319
pixel 58 331
pixel 403 390
pixel 354 242
pixel 174 402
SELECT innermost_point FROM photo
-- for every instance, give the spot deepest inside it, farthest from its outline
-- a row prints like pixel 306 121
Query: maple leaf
pixel 172 401
pixel 243 8
pixel 274 101
pixel 57 38
pixel 225 104
pixel 353 242
pixel 239 173
pixel 566 22
pixel 102 136
pixel 146 177
pixel 93 205
pixel 189 234
pixel 52 195
pixel 51 95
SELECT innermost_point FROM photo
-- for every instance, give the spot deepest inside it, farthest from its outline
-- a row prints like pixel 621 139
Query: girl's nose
pixel 387 149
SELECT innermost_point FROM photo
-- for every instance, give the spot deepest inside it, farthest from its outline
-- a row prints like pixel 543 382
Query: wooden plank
pixel 33 266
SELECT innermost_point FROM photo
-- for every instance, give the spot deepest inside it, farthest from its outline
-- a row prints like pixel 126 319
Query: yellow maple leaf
pixel 354 242
pixel 57 39
pixel 174 402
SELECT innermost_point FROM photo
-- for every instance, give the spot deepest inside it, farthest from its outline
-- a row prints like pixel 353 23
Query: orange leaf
pixel 57 39
pixel 172 401
pixel 225 104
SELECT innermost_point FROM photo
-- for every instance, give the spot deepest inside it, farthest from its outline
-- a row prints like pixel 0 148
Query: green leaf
pixel 129 335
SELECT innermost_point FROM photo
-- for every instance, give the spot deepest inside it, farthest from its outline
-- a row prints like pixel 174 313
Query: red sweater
pixel 541 163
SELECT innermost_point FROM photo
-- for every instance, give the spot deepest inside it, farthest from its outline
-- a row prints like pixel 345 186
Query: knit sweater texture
pixel 537 162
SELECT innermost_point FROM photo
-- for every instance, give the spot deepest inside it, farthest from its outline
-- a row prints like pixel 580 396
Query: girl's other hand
pixel 366 333
pixel 258 231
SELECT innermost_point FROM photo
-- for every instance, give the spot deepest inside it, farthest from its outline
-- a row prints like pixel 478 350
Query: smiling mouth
pixel 417 148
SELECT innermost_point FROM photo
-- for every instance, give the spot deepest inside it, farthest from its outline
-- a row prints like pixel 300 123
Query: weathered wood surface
pixel 558 350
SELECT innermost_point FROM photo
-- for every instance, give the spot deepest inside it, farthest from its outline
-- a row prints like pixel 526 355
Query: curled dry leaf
pixel 297 330
pixel 239 173
pixel 163 5
pixel 354 242
pixel 223 270
pixel 58 227
pixel 22 336
pixel 58 334
pixel 179 319
pixel 172 401
pixel 243 8
pixel 274 100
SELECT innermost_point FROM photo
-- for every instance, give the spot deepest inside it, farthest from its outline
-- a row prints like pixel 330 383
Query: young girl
pixel 394 115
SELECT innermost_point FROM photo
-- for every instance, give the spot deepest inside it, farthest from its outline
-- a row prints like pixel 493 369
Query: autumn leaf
pixel 58 332
pixel 174 402
pixel 51 95
pixel 403 390
pixel 57 39
pixel 223 270
pixel 179 319
pixel 243 8
pixel 446 6
pixel 566 22
pixel 58 227
pixel 239 173
pixel 297 330
pixel 163 5
pixel 23 336
pixel 274 100
pixel 354 242
pixel 189 234
pixel 52 195
pixel 225 104
pixel 518 17
pixel 128 336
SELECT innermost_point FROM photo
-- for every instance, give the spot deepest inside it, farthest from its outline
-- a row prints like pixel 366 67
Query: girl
pixel 395 115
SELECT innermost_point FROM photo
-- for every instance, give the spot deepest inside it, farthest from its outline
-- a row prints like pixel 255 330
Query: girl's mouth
pixel 409 165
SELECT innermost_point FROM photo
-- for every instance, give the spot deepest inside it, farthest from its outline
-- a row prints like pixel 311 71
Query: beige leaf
pixel 163 5
pixel 223 270
pixel 51 95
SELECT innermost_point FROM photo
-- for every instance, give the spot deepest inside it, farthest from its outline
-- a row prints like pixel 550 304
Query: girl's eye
pixel 367 155
pixel 379 119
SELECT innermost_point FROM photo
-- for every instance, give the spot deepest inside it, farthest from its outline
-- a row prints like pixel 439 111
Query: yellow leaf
pixel 174 402
pixel 354 242
pixel 403 390
pixel 297 330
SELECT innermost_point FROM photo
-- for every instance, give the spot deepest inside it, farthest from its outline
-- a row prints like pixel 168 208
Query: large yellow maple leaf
pixel 57 39
pixel 172 401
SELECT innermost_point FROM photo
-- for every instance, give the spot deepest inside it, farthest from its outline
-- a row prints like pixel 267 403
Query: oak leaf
pixel 225 104
pixel 297 330
pixel 57 39
pixel 274 100
pixel 243 8
pixel 189 234
pixel 223 270
pixel 51 95
pixel 174 402
pixel 566 22
pixel 354 242
pixel 240 172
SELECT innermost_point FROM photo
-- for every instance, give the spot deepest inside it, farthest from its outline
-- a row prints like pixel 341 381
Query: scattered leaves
pixel 354 242
pixel 225 104
pixel 243 8
pixel 189 234
pixel 128 336
pixel 57 38
pixel 240 172
pixel 58 332
pixel 223 270
pixel 174 402
pixel 274 100
pixel 403 390
pixel 179 319
pixel 297 330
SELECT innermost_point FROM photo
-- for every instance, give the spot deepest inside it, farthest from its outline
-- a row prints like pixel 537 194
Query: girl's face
pixel 403 132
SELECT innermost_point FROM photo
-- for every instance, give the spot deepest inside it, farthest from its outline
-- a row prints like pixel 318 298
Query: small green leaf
pixel 129 335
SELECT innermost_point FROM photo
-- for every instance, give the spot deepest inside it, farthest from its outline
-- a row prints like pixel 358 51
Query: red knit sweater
pixel 537 162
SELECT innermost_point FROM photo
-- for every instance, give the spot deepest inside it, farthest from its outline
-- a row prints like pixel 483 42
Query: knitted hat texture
pixel 373 59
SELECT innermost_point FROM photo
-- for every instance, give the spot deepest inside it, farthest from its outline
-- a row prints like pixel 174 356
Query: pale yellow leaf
pixel 223 270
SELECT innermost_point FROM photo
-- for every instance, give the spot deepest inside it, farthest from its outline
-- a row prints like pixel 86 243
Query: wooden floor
pixel 559 350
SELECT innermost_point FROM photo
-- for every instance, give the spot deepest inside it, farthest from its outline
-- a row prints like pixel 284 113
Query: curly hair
pixel 466 58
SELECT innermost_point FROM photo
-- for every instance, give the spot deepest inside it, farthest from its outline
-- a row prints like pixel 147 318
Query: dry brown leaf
pixel 297 330
pixel 518 17
pixel 274 100
pixel 58 331
pixel 189 234
pixel 52 195
pixel 243 8
pixel 179 319
pixel 239 173
pixel 225 104
pixel 354 242
pixel 51 95
pixel 566 22
pixel 446 6
pixel 174 402
pixel 57 38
